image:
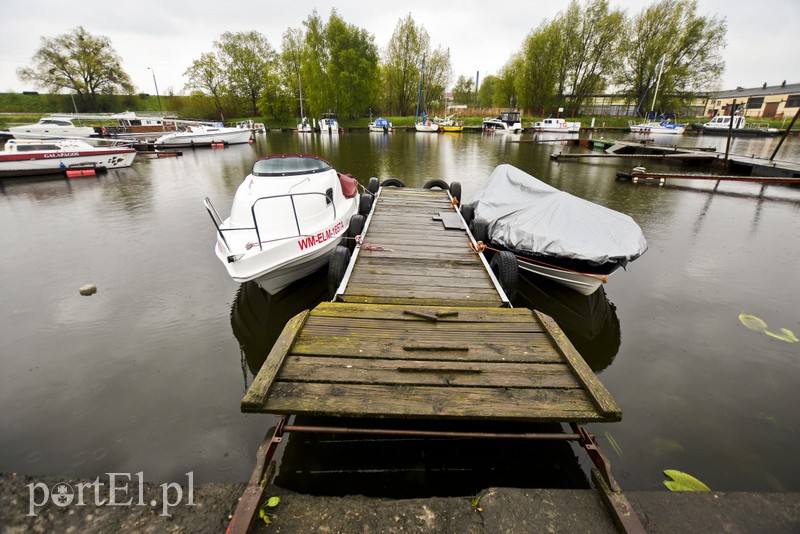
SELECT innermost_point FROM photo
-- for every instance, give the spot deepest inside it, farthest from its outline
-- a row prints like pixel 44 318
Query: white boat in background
pixel 304 126
pixel 426 125
pixel 52 128
pixel 507 121
pixel 287 217
pixel 380 125
pixel 721 124
pixel 51 156
pixel 556 125
pixel 657 127
pixel 328 123
pixel 203 134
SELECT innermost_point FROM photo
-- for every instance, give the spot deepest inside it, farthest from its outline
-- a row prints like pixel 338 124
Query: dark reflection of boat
pixel 590 322
pixel 257 317
pixel 406 467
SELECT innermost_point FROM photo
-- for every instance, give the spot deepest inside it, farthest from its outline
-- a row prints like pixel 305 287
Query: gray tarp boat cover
pixel 527 215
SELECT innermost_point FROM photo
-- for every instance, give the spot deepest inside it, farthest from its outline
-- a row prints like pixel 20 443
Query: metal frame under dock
pixel 420 329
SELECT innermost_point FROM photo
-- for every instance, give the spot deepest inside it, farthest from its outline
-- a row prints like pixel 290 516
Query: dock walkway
pixel 420 328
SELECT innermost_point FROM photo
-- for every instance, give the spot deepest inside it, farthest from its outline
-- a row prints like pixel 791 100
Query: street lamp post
pixel 156 84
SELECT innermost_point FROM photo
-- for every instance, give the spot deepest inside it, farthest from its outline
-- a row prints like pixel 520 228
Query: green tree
pixel 401 66
pixel 537 78
pixel 590 38
pixel 486 91
pixel 205 75
pixel 248 61
pixel 670 37
pixel 352 66
pixel 464 91
pixel 80 62
pixel 505 90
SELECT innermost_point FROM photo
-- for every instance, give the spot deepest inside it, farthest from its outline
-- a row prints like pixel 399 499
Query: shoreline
pixel 497 510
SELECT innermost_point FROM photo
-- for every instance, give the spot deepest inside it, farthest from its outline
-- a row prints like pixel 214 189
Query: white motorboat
pixel 287 217
pixel 556 125
pixel 380 125
pixel 551 233
pixel 507 121
pixel 203 134
pixel 26 157
pixel 51 128
pixel 721 124
pixel 328 123
pixel 657 127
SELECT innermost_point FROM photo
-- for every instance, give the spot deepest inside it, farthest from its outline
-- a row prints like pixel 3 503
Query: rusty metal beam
pixel 248 503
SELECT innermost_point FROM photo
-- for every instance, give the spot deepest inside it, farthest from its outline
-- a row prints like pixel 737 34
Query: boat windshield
pixel 288 166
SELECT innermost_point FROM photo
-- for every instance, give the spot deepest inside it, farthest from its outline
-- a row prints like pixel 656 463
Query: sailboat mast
pixel 658 81
pixel 419 92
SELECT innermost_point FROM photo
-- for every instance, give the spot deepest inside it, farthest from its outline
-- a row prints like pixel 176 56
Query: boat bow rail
pixel 258 229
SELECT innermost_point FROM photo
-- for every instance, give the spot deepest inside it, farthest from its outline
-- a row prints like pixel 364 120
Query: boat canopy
pixel 527 215
pixel 289 164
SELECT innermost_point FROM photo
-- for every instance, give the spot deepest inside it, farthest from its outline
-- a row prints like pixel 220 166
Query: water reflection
pixel 257 317
pixel 590 322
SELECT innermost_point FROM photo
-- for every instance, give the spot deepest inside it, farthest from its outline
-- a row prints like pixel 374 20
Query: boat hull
pixel 237 136
pixel 424 127
pixel 27 164
pixel 585 284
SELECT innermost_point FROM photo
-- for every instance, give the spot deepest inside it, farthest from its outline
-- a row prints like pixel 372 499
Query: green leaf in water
pixel 273 502
pixel 785 335
pixel 752 322
pixel 681 481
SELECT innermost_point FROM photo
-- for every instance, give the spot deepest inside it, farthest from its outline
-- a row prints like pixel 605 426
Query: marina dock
pixel 420 329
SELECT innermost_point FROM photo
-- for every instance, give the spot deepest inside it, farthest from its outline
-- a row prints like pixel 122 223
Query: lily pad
pixel 681 481
pixel 752 322
pixel 785 335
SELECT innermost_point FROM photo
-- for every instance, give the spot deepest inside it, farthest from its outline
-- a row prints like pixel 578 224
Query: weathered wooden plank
pixel 595 389
pixel 367 281
pixel 421 301
pixel 535 349
pixel 420 372
pixel 422 249
pixel 355 400
pixel 419 327
pixel 434 271
pixel 413 264
pixel 466 256
pixel 262 382
pixel 395 312
pixel 389 290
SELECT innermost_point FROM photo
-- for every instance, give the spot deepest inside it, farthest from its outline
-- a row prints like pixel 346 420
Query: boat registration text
pixel 318 239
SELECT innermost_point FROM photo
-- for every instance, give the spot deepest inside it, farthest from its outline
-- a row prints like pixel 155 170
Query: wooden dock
pixel 420 329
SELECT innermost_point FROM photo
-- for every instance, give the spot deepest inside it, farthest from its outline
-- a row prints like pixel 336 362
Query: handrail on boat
pixel 328 198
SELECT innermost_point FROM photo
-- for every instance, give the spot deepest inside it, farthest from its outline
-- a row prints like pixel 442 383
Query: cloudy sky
pixel 168 35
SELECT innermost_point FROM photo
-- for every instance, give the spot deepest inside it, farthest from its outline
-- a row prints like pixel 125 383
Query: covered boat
pixel 553 233
pixel 28 157
pixel 287 218
pixel 380 125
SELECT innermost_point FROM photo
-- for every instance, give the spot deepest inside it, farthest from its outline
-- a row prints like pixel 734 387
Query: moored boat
pixel 203 134
pixel 556 125
pixel 721 124
pixel 553 233
pixel 24 157
pixel 449 124
pixel 287 217
pixel 507 121
pixel 329 123
pixel 657 127
pixel 51 128
pixel 380 125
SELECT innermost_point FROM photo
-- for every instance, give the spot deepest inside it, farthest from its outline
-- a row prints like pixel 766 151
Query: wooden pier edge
pixel 598 393
pixel 257 391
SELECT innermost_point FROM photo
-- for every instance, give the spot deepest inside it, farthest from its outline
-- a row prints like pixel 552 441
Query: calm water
pixel 147 374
